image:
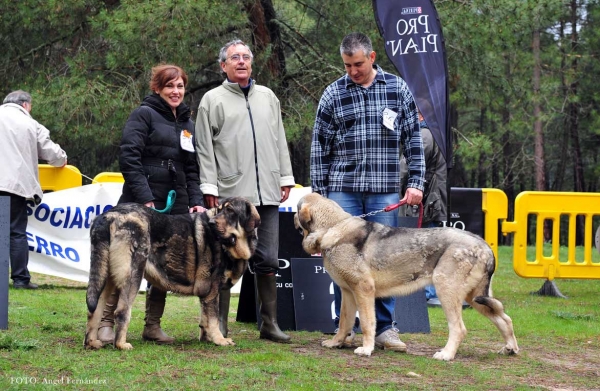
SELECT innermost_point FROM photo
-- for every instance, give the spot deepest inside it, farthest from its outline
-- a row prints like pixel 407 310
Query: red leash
pixel 390 208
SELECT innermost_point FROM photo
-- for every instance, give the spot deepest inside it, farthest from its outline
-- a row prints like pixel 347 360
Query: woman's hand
pixel 197 209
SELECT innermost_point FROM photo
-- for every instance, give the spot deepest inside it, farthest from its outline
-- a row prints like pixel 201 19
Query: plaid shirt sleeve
pixel 323 134
pixel 412 141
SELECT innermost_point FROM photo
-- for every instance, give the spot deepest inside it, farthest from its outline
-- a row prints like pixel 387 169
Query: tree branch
pixel 207 85
pixel 20 57
pixel 311 8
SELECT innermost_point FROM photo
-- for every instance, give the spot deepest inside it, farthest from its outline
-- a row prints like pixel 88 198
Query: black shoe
pixel 29 285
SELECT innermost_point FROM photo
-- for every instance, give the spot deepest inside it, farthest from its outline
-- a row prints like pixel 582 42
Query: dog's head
pixel 236 220
pixel 316 214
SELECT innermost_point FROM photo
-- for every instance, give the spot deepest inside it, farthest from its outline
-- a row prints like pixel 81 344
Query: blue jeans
pixel 430 292
pixel 357 204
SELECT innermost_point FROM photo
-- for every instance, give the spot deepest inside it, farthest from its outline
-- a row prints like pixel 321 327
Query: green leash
pixel 170 202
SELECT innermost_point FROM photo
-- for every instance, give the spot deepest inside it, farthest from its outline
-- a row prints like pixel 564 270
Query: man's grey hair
pixel 354 42
pixel 18 97
pixel 223 52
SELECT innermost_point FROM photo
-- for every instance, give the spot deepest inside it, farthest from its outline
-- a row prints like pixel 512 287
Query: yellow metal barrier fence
pixel 552 206
pixel 109 177
pixel 495 207
pixel 59 178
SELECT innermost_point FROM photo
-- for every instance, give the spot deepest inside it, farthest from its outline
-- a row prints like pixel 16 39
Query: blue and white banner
pixel 412 35
pixel 58 229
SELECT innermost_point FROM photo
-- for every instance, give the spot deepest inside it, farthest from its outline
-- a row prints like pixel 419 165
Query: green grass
pixel 559 341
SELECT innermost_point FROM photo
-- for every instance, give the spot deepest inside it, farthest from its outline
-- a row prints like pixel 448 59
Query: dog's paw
pixel 509 351
pixel 443 356
pixel 107 343
pixel 362 351
pixel 332 343
pixel 125 346
pixel 224 342
pixel 349 341
pixel 94 344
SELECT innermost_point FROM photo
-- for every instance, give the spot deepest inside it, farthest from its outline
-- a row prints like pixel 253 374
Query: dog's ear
pixel 253 220
pixel 304 216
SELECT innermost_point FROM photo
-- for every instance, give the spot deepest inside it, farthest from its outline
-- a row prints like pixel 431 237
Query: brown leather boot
pixel 106 333
pixel 155 306
pixel 267 296
pixel 224 300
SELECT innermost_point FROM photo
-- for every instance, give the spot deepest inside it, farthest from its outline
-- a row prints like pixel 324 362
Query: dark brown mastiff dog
pixel 197 254
pixel 369 260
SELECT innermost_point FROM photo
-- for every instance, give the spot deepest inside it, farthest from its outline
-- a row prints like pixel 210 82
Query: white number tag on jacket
pixel 389 117
pixel 186 141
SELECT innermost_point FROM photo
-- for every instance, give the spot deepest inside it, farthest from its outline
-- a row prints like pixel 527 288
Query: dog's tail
pixel 487 299
pixel 490 269
pixel 494 305
pixel 99 260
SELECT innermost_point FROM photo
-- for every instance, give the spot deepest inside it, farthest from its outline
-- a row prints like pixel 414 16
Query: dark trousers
pixel 266 258
pixel 19 249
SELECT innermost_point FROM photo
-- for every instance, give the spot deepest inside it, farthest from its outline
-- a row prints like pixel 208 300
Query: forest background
pixel 524 75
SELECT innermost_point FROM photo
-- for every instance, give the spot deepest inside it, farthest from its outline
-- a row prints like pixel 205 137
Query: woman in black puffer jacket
pixel 157 150
pixel 157 156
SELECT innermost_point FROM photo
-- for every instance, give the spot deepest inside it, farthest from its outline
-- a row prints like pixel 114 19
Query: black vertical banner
pixel 412 34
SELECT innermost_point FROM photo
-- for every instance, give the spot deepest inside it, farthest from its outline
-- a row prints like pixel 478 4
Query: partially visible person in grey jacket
pixel 24 142
pixel 242 151
pixel 435 200
pixel 435 194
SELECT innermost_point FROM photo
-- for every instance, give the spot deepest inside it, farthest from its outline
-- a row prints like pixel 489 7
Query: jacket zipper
pixel 255 151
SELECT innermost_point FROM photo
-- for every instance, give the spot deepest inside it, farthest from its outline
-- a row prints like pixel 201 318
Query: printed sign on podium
pixel 313 295
pixel 467 212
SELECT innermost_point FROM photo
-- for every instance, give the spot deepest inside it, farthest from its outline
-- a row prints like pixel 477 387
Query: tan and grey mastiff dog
pixel 197 254
pixel 369 260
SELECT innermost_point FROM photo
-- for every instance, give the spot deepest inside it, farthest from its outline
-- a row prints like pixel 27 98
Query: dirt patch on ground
pixel 567 371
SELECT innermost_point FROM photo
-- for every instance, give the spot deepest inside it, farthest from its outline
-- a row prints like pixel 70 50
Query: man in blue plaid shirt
pixel 363 120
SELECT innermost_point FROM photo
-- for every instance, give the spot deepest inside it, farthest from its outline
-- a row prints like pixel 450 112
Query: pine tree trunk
pixel 540 161
pixel 540 164
pixel 265 33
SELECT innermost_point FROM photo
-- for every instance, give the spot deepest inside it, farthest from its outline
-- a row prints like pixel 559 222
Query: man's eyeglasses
pixel 237 57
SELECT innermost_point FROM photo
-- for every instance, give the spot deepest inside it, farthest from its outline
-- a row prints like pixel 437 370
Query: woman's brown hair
pixel 162 74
